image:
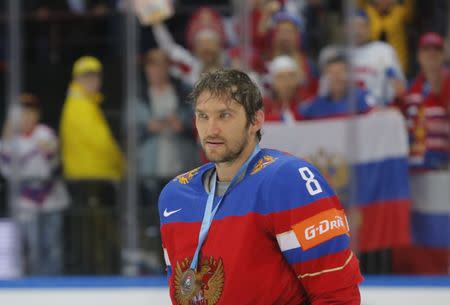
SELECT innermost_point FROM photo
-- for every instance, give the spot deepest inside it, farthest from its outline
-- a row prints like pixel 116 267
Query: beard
pixel 229 152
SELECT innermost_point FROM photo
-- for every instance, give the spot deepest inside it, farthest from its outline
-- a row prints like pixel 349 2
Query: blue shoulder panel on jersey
pixel 182 198
pixel 277 187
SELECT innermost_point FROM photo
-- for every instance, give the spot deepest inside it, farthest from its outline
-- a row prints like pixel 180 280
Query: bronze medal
pixel 188 282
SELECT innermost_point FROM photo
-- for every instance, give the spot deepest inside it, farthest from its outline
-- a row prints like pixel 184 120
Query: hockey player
pixel 254 226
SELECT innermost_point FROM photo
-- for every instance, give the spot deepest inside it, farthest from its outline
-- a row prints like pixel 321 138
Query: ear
pixel 259 121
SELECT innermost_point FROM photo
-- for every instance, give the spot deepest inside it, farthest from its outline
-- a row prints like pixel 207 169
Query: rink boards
pixel 148 291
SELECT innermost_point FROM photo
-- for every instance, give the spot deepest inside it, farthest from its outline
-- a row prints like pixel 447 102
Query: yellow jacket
pixel 393 24
pixel 89 150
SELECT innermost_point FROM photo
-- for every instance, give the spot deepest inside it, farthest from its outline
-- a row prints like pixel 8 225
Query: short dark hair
pixel 29 101
pixel 234 84
pixel 336 58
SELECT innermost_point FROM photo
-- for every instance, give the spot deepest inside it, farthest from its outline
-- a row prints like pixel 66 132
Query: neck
pixel 362 42
pixel 285 100
pixel 159 86
pixel 383 11
pixel 227 170
pixel 211 66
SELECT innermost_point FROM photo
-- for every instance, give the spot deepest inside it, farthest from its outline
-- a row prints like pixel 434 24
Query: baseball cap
pixel 431 39
pixel 282 63
pixel 86 64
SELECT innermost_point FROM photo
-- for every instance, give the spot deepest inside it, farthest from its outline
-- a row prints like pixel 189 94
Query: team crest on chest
pixel 207 281
pixel 187 177
pixel 262 163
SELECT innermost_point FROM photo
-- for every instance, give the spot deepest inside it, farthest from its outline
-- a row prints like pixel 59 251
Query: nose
pixel 213 127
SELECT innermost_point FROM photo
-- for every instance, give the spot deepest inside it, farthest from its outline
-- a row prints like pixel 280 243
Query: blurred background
pixel 95 120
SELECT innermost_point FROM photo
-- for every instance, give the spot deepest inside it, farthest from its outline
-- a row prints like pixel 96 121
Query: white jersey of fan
pixel 22 159
pixel 374 65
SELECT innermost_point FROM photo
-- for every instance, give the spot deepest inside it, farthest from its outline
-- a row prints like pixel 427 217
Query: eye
pixel 225 115
pixel 201 116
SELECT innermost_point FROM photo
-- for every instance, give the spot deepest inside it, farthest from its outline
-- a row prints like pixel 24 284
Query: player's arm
pixel 313 234
pixel 162 201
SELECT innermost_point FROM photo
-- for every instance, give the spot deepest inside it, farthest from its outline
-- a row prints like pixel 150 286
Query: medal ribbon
pixel 209 214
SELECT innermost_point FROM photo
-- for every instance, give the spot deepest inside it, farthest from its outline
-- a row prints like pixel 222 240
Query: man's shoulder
pixel 382 48
pixel 280 162
pixel 190 180
pixel 294 178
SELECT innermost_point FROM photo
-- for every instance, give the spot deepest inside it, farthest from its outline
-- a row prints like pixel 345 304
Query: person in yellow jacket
pixel 89 150
pixel 388 20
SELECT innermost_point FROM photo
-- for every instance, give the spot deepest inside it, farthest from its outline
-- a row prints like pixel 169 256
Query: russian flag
pixel 365 159
pixel 430 252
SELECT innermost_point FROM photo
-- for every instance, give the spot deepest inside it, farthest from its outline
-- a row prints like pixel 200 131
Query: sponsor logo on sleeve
pixel 320 228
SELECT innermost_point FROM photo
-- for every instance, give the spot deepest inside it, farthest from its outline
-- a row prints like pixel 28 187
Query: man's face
pixel 360 28
pixel 430 58
pixel 285 83
pixel 91 82
pixel 286 37
pixel 222 127
pixel 337 76
pixel 384 4
pixel 157 72
pixel 207 48
pixel 29 119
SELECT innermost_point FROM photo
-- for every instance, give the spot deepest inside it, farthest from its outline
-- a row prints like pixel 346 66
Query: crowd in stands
pixel 312 59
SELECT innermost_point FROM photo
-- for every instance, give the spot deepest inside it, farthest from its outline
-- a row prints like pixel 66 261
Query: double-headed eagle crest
pixel 262 163
pixel 209 281
pixel 186 177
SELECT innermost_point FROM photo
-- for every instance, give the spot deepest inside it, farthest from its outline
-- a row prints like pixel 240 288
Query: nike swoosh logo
pixel 167 213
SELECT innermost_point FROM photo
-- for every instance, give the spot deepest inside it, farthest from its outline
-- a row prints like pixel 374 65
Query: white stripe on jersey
pixel 287 241
pixel 166 257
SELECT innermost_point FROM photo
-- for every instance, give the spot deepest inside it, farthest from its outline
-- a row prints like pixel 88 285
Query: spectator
pixel 205 39
pixel 285 40
pixel 427 107
pixel 29 159
pixel 337 98
pixel 375 64
pixel 258 19
pixel 167 144
pixel 93 165
pixel 388 20
pixel 287 90
pixel 89 150
pixel 254 67
pixel 165 123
